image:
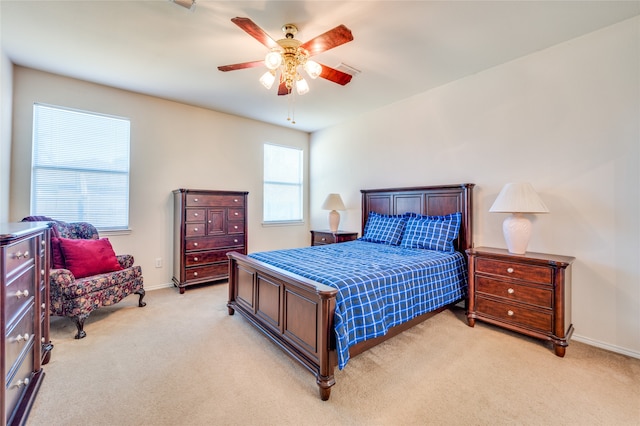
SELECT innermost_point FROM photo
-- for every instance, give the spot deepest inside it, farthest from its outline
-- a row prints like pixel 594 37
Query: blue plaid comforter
pixel 379 286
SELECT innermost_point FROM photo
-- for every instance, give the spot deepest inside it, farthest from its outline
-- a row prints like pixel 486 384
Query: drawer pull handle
pixel 20 294
pixel 21 338
pixel 24 255
pixel 195 244
pixel 196 200
pixel 510 270
pixel 195 274
pixel 511 291
pixel 235 227
pixel 323 239
pixel 196 214
pixel 510 312
pixel 235 200
pixel 209 221
pixel 195 229
pixel 236 213
pixel 195 259
pixel 21 383
pixel 235 240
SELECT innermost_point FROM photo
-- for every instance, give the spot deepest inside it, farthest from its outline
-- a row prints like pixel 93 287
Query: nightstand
pixel 527 293
pixel 319 238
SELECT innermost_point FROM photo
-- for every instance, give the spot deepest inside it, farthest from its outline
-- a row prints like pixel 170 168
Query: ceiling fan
pixel 288 55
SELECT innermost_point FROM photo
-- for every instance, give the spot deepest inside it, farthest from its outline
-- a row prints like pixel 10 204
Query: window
pixel 282 184
pixel 80 167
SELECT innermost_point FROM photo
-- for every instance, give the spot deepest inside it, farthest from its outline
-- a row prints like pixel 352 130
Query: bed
pixel 300 310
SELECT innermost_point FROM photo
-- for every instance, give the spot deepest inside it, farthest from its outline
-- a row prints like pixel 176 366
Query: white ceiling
pixel 401 47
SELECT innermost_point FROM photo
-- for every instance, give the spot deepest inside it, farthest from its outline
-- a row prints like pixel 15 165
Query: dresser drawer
pixel 195 229
pixel 236 240
pixel 18 339
pixel 235 227
pixel 533 273
pixel 204 257
pixel 207 272
pixel 194 215
pixel 509 290
pixel 19 254
pixel 19 383
pixel 236 214
pixel 516 314
pixel 19 292
pixel 194 200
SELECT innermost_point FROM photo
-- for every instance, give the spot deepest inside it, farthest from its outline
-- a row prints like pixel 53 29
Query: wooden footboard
pixel 294 312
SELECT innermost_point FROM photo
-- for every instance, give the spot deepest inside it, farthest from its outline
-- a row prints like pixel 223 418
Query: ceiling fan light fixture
pixel 313 68
pixel 268 78
pixel 273 60
pixel 302 86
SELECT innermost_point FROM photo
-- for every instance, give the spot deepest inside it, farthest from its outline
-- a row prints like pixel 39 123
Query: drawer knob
pixel 196 214
pixel 235 227
pixel 235 240
pixel 20 294
pixel 209 221
pixel 195 259
pixel 196 200
pixel 195 244
pixel 323 239
pixel 21 338
pixel 195 274
pixel 236 213
pixel 21 383
pixel 195 229
pixel 510 270
pixel 510 312
pixel 235 200
pixel 510 291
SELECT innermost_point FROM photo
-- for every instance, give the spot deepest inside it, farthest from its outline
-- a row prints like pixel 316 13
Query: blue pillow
pixel 384 229
pixel 432 232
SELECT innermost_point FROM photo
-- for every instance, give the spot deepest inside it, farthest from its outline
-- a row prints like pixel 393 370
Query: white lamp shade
pixel 273 60
pixel 267 79
pixel 313 68
pixel 518 198
pixel 333 202
pixel 302 86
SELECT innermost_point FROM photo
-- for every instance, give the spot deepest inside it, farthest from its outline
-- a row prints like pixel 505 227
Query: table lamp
pixel 518 199
pixel 333 203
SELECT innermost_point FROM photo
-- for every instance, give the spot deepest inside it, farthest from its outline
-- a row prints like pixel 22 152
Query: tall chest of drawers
pixel 24 265
pixel 528 293
pixel 207 225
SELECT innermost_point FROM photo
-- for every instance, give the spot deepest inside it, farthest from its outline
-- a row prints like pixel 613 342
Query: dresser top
pixel 504 254
pixel 13 230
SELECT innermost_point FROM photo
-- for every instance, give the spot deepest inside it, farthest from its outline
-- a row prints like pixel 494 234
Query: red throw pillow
pixel 85 258
pixel 57 258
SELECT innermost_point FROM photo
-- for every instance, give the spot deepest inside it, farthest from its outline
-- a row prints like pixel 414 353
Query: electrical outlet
pixel 158 262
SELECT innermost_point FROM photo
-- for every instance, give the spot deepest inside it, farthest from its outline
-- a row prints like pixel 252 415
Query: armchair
pixel 87 275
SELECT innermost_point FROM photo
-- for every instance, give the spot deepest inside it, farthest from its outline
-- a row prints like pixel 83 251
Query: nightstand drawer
pixel 508 290
pixel 519 315
pixel 538 274
pixel 320 238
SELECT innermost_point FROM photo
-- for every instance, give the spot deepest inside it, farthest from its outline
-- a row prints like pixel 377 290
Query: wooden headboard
pixel 424 200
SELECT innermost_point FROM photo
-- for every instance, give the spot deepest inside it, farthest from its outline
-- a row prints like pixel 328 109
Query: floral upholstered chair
pixel 86 273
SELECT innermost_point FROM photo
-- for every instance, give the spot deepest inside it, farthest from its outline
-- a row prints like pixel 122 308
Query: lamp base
pixel 517 232
pixel 334 220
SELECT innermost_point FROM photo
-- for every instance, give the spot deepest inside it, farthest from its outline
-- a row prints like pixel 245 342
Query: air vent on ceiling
pixel 347 68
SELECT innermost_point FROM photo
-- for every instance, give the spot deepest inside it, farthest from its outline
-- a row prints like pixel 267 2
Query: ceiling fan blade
pixel 335 75
pixel 332 38
pixel 282 89
pixel 255 31
pixel 241 66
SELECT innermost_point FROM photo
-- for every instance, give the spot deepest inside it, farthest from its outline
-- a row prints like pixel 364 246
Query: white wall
pixel 565 119
pixel 6 99
pixel 172 146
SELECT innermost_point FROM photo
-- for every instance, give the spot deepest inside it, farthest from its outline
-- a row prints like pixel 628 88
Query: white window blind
pixel 80 167
pixel 283 190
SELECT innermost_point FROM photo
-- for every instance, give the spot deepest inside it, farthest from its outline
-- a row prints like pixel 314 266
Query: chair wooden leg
pixel 141 292
pixel 79 320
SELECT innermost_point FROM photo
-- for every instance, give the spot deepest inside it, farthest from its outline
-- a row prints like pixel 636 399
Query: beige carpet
pixel 182 360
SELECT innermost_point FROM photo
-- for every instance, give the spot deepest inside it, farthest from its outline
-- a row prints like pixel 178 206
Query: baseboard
pixel 158 286
pixel 607 346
